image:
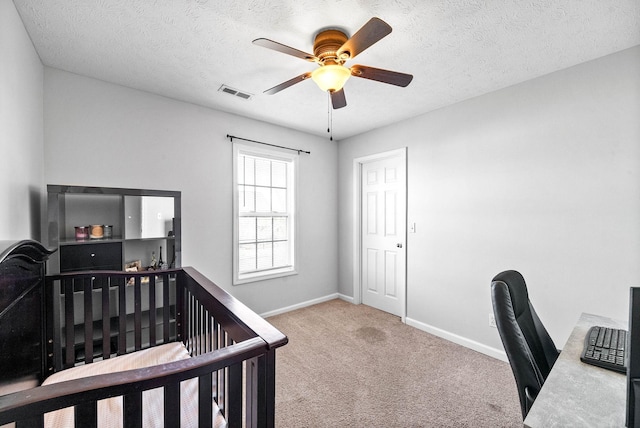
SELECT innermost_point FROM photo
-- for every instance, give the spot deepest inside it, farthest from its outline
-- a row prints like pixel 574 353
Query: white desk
pixel 576 394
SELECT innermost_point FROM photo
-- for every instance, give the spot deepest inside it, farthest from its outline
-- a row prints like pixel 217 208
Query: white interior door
pixel 383 233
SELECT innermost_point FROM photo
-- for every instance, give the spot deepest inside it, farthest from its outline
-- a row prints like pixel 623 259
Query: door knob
pixel 399 245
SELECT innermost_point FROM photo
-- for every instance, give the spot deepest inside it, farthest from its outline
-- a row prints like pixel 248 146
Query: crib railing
pixel 98 315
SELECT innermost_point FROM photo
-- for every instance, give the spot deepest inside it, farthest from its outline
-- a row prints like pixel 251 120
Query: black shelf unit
pixel 142 221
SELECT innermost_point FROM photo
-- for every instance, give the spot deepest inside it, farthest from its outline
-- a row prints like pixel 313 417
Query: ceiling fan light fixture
pixel 331 77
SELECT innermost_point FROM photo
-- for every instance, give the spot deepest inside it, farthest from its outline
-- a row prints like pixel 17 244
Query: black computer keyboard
pixel 605 347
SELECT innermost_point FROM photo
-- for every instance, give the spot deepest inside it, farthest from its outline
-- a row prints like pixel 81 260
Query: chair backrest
pixel 529 347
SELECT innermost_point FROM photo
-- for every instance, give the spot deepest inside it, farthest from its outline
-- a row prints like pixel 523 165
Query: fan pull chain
pixel 328 114
pixel 329 117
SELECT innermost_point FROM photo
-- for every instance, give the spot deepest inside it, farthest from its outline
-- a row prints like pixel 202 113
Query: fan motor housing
pixel 326 45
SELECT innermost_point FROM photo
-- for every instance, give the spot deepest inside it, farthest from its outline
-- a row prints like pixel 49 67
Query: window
pixel 264 213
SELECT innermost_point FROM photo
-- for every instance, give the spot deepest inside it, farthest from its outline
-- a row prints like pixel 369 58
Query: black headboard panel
pixel 22 274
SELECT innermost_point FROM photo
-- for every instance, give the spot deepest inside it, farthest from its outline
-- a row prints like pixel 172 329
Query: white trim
pixel 301 305
pixel 261 276
pixel 463 341
pixel 347 299
pixel 357 242
pixel 357 196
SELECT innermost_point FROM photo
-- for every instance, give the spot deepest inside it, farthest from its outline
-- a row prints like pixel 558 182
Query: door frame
pixel 357 223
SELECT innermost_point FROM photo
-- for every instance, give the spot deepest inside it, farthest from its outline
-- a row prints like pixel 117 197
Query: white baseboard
pixel 468 343
pixel 345 298
pixel 463 341
pixel 307 303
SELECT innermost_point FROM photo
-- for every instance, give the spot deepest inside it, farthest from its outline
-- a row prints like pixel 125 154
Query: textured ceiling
pixel 456 49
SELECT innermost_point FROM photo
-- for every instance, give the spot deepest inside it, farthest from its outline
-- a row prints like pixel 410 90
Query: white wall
pixel 542 177
pixel 21 141
pixel 100 134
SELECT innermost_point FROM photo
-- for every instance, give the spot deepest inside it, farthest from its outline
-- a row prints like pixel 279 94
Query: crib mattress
pixel 110 410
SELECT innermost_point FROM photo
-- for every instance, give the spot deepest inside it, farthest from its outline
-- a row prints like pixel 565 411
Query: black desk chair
pixel 529 347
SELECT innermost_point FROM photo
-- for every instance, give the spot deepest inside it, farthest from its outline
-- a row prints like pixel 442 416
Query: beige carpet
pixel 354 366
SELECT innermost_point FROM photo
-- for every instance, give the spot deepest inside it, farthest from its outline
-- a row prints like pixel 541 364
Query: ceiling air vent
pixel 228 90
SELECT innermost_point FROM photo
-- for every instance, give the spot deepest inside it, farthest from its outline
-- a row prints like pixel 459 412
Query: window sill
pixel 263 276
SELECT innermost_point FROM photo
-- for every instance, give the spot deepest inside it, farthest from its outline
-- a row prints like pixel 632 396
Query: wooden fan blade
pixel 288 83
pixel 270 44
pixel 338 100
pixel 370 33
pixel 380 75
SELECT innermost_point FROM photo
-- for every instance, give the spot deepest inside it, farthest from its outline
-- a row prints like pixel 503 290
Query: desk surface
pixel 576 394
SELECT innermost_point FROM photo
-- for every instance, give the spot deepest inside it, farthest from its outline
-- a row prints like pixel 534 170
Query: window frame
pixel 292 171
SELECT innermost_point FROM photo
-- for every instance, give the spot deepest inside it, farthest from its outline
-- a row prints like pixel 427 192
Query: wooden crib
pixel 78 322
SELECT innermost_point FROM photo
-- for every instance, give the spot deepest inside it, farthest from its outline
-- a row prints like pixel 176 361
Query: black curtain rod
pixel 231 137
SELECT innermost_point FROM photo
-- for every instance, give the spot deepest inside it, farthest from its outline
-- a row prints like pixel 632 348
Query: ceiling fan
pixel 331 49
